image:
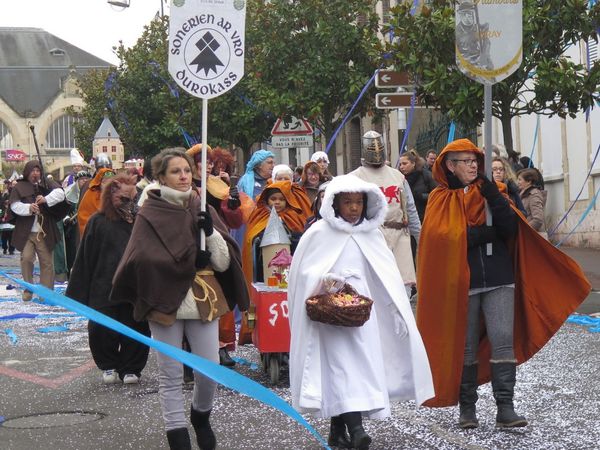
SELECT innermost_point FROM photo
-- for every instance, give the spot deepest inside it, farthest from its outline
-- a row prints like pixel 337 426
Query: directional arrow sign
pixel 390 79
pixel 395 100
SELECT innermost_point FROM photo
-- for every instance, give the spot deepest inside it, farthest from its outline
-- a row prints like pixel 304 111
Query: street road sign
pixel 394 100
pixel 291 126
pixel 298 141
pixel 391 79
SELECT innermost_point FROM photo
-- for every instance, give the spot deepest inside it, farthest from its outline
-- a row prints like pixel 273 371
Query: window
pixel 104 148
pixel 114 148
pixel 61 134
pixel 6 140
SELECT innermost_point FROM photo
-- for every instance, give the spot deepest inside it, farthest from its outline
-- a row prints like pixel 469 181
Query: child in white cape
pixel 347 373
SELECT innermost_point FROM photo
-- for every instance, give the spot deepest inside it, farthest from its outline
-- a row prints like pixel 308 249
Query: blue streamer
pixel 593 323
pixel 451 131
pixel 347 116
pixel 535 135
pixel 54 329
pixel 215 372
pixel 582 218
pixel 245 362
pixel 19 316
pixel 553 230
pixel 409 122
pixel 12 336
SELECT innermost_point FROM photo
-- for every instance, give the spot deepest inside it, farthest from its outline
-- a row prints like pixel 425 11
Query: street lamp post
pixel 127 3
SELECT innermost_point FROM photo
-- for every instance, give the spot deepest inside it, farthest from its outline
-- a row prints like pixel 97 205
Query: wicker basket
pixel 322 308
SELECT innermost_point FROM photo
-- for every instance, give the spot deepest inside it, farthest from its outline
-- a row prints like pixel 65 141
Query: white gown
pixel 355 380
pixel 334 369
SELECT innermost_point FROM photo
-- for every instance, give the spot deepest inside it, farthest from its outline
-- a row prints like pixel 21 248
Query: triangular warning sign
pixel 290 126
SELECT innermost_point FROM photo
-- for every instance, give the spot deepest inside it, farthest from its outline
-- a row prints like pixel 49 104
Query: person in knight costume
pixel 402 219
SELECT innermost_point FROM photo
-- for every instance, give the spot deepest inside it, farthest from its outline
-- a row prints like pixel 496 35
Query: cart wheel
pixel 274 368
pixel 264 362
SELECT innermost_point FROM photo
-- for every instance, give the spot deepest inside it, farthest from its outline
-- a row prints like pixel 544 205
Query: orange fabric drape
pixel 548 284
pixel 294 217
pixel 90 202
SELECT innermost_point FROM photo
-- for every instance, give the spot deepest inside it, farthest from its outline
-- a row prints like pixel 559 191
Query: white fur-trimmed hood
pixel 376 204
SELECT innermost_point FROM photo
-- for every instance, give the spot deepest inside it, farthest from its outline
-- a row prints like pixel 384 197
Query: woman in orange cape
pixel 548 286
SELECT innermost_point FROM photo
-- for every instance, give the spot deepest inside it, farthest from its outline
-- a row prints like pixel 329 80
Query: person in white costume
pixel 347 373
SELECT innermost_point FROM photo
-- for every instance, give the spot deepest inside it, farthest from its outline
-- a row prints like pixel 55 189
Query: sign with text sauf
pixel 206 45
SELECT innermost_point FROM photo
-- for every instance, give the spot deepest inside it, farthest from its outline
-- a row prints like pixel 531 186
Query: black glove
pixel 234 198
pixel 481 234
pixel 488 188
pixel 205 222
pixel 202 258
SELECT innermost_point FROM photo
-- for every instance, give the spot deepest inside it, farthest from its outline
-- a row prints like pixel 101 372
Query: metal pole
pixel 162 11
pixel 487 108
pixel 203 174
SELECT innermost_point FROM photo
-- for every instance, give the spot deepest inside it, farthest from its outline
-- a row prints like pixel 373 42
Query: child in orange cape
pixel 292 206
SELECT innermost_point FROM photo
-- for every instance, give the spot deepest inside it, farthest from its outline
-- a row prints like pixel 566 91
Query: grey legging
pixel 497 307
pixel 204 341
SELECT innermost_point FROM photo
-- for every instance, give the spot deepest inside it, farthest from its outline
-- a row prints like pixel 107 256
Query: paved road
pixel 51 395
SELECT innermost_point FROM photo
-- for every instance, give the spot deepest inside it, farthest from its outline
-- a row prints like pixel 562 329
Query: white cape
pixel 340 369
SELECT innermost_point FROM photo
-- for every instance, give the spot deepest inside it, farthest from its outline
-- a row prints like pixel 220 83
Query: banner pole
pixel 203 175
pixel 487 108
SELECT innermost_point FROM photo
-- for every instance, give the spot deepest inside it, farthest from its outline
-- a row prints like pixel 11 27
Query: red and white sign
pixel 15 155
pixel 291 126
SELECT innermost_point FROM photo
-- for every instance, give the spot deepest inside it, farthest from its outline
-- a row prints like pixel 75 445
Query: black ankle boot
pixel 204 434
pixel 338 437
pixel 358 436
pixel 468 397
pixel 179 439
pixel 503 385
pixel 224 358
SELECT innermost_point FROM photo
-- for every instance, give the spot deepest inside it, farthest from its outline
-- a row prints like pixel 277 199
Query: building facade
pixel 38 85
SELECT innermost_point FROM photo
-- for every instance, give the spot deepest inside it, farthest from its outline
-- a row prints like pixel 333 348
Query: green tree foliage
pixel 150 112
pixel 548 82
pixel 311 58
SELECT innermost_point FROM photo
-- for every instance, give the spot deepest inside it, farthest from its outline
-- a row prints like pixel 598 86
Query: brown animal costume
pixel 102 246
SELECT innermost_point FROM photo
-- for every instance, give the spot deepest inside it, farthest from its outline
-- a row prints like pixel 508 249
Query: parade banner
pixel 489 35
pixel 206 45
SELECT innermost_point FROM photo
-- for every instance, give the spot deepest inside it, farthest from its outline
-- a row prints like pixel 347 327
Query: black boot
pixel 338 437
pixel 224 358
pixel 179 439
pixel 468 397
pixel 204 434
pixel 358 436
pixel 503 385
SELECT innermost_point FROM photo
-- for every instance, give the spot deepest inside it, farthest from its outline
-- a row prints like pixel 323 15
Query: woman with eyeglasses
pixel 502 172
pixel 483 287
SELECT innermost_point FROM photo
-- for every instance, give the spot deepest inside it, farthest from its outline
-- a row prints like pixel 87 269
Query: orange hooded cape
pixel 90 201
pixel 294 217
pixel 548 284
